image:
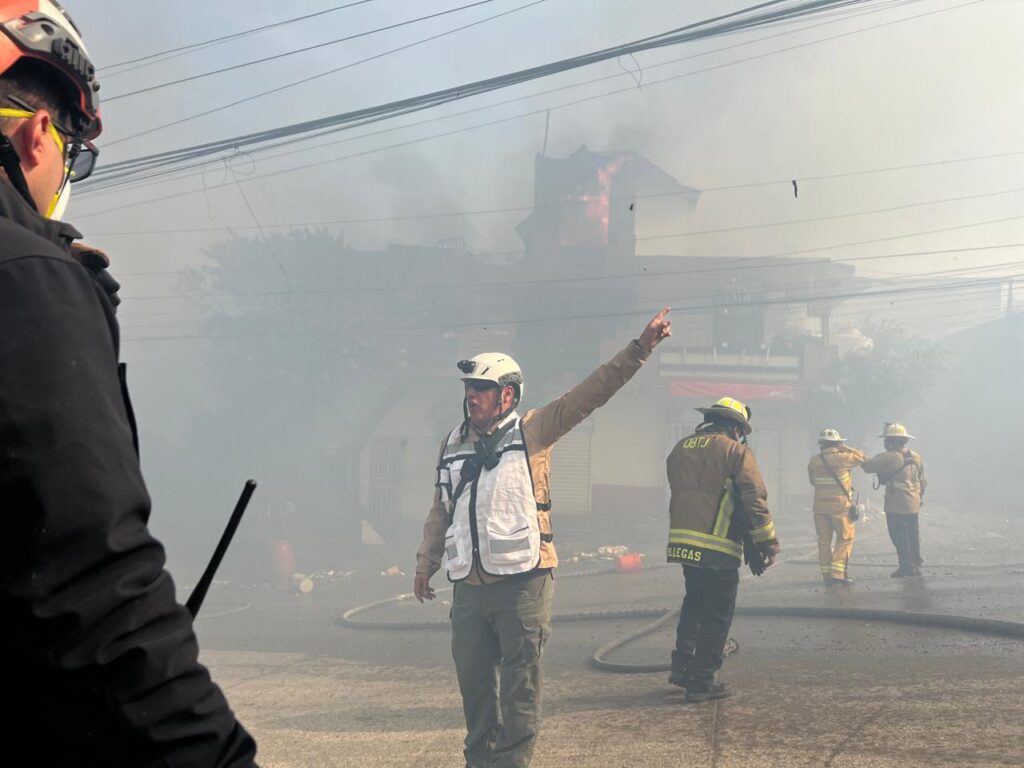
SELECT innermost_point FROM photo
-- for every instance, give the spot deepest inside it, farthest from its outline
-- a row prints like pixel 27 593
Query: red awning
pixel 713 390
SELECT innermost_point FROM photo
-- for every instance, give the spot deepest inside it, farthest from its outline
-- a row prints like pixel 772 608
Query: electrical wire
pixel 294 52
pixel 166 54
pixel 118 178
pixel 740 20
pixel 535 320
pixel 93 187
pixel 180 121
pixel 569 204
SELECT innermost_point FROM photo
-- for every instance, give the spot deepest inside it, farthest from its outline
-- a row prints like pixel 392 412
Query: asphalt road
pixel 823 693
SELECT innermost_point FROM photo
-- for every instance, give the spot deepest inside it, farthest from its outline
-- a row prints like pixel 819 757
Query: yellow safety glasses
pixel 79 155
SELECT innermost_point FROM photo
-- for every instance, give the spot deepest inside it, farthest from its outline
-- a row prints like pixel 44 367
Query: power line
pixel 107 179
pixel 838 296
pixel 746 263
pixel 740 20
pixel 180 121
pixel 294 52
pixel 225 38
pixel 527 209
pixel 92 187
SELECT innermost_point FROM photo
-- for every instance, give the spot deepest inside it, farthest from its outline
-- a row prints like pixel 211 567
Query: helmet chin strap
pixel 467 424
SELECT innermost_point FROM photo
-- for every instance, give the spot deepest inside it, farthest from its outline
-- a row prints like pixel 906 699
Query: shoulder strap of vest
pixel 908 460
pixel 471 467
pixel 832 471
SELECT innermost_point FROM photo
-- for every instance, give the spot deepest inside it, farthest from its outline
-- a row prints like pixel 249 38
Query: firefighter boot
pixel 680 674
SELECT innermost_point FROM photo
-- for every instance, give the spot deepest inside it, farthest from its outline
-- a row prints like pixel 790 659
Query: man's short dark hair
pixel 38 85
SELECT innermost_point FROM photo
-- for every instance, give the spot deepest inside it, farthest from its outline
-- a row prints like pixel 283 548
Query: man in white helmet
pixel 833 507
pixel 98 659
pixel 901 471
pixel 490 528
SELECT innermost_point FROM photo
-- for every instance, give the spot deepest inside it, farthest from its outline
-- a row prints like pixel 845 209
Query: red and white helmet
pixel 42 31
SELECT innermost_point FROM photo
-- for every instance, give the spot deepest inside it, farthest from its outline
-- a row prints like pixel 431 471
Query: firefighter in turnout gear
pixel 490 529
pixel 834 508
pixel 901 471
pixel 718 500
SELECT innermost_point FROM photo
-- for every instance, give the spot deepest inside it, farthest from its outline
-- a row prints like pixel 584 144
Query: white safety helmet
pixel 495 367
pixel 830 436
pixel 892 429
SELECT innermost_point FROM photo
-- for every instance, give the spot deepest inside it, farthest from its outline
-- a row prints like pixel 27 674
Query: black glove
pixel 759 556
pixel 768 550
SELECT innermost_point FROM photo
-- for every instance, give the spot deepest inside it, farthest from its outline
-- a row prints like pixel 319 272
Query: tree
pixel 304 361
pixel 890 378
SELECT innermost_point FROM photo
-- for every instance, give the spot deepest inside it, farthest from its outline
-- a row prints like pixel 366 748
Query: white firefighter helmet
pixel 732 409
pixel 892 429
pixel 830 436
pixel 495 367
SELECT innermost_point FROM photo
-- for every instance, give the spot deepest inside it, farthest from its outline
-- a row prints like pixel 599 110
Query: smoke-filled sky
pixel 883 84
pixel 899 121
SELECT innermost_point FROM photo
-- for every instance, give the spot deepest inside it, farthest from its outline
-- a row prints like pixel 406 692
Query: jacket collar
pixel 14 207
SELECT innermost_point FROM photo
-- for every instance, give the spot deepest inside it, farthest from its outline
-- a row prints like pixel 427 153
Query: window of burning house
pixel 737 326
pixel 384 497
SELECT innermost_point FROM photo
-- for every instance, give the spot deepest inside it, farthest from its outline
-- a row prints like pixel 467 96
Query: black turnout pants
pixel 704 621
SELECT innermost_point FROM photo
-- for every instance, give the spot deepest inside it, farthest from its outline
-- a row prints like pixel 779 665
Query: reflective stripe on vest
pixel 495 517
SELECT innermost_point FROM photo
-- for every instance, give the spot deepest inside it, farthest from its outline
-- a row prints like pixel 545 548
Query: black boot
pixel 680 668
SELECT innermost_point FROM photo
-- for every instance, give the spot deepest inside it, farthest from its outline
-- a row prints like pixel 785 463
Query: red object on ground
pixel 630 563
pixel 284 558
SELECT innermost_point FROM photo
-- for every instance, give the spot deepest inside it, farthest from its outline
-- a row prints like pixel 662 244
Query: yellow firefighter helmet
pixel 733 409
pixel 830 436
pixel 892 429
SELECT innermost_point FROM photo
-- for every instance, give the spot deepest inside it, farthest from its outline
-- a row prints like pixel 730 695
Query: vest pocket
pixel 455 556
pixel 510 548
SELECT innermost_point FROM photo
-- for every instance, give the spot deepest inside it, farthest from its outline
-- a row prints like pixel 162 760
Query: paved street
pixel 809 692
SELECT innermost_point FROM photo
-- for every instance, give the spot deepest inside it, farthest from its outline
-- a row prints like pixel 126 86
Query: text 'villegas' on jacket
pixel 493 509
pixel 717 494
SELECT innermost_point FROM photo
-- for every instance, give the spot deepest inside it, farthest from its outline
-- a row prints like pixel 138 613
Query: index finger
pixel 661 315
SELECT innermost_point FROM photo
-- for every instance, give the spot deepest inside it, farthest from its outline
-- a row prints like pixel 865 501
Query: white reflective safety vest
pixel 495 515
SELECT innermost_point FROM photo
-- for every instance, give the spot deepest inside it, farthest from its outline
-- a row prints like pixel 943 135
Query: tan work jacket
pixel 902 473
pixel 832 498
pixel 541 427
pixel 714 479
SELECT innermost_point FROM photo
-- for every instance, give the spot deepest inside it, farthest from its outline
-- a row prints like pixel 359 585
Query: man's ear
pixel 31 137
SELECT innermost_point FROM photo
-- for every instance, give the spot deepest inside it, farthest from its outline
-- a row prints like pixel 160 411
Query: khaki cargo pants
pixel 498 636
pixel 834 559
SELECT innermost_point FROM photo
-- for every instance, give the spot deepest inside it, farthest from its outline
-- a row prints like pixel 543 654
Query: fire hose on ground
pixel 663 616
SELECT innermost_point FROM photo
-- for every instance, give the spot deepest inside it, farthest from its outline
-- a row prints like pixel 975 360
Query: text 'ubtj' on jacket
pixel 541 428
pixel 830 497
pixel 902 474
pixel 714 481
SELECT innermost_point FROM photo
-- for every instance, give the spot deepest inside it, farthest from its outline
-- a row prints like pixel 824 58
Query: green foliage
pixel 890 379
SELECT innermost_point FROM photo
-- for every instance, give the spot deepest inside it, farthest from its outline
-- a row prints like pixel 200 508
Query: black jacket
pixel 98 661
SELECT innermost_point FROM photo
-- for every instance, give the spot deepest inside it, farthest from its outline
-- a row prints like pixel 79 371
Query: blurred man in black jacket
pixel 99 661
